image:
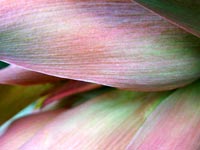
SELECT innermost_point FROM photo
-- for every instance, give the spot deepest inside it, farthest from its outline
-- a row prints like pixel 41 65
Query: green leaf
pixel 15 98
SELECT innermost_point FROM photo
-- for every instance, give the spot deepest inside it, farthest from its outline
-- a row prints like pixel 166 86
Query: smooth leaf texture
pixel 174 125
pixel 106 122
pixel 14 75
pixel 184 13
pixel 24 128
pixel 15 98
pixel 111 42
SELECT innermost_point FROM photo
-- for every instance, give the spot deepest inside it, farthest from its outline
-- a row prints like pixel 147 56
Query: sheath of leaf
pixel 115 43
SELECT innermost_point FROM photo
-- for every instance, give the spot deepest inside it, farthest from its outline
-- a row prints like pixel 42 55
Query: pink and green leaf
pixel 174 125
pixel 24 128
pixel 116 43
pixel 108 121
pixel 183 13
pixel 72 87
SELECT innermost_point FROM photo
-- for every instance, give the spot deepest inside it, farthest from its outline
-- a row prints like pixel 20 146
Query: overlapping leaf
pixel 14 75
pixel 72 87
pixel 184 13
pixel 15 98
pixel 24 128
pixel 111 42
pixel 106 122
pixel 174 125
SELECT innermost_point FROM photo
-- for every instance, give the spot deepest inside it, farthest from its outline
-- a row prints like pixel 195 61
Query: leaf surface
pixel 106 122
pixel 184 13
pixel 174 125
pixel 24 128
pixel 15 98
pixel 111 42
pixel 14 75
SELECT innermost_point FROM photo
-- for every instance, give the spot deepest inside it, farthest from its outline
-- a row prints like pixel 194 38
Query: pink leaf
pixel 70 88
pixel 24 128
pixel 110 42
pixel 106 122
pixel 14 75
pixel 174 125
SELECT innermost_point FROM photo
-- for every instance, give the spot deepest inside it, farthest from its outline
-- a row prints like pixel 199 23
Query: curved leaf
pixel 14 75
pixel 70 88
pixel 115 43
pixel 106 122
pixel 174 125
pixel 24 128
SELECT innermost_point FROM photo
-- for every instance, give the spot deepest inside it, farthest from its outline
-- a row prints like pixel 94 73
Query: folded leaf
pixel 15 98
pixel 115 43
pixel 184 13
pixel 24 128
pixel 106 122
pixel 174 125
pixel 14 75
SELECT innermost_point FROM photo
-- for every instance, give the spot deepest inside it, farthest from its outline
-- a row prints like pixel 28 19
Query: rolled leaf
pixel 24 128
pixel 174 125
pixel 106 122
pixel 183 13
pixel 115 43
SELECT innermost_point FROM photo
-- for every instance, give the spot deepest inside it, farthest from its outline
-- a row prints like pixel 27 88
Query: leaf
pixel 114 43
pixel 14 75
pixel 107 121
pixel 174 125
pixel 24 128
pixel 72 87
pixel 184 13
pixel 15 98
